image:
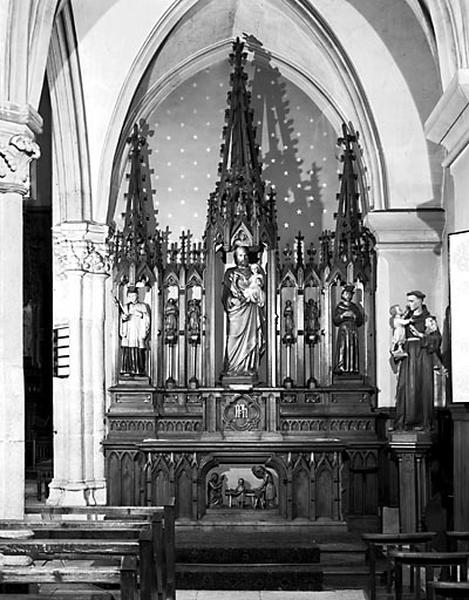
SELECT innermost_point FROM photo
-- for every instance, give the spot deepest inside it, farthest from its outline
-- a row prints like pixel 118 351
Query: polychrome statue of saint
pixel 243 300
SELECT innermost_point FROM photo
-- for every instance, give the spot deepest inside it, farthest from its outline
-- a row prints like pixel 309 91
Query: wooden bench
pixel 124 575
pixel 455 564
pixel 162 519
pixel 82 549
pixel 449 589
pixel 88 532
pixel 396 541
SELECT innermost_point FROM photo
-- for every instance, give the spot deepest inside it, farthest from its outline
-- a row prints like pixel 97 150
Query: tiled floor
pixel 218 595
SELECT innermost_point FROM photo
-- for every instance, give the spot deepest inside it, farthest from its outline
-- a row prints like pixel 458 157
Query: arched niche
pixel 312 59
pixel 322 48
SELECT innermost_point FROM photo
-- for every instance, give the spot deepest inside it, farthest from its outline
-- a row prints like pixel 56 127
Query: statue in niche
pixel 347 318
pixel 134 331
pixel 171 321
pixel 266 493
pixel 193 320
pixel 312 323
pixel 400 318
pixel 243 299
pixel 289 323
pixel 215 490
pixel 415 392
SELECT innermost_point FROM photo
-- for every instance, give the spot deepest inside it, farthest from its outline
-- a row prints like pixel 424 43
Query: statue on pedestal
pixel 243 299
pixel 134 331
pixel 415 383
pixel 193 320
pixel 312 323
pixel 171 321
pixel 348 318
pixel 289 322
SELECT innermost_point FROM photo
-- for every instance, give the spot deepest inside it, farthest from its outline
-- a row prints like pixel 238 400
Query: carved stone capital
pixel 16 153
pixel 81 247
pixel 18 124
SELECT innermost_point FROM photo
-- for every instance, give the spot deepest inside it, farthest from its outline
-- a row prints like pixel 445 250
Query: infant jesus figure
pixel 254 291
pixel 400 318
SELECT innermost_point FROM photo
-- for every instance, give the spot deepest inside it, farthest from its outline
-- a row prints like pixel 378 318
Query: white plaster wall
pixel 110 33
pixel 459 176
pixel 395 109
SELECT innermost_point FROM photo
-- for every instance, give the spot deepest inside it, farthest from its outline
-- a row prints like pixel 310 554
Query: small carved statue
pixel 415 392
pixel 347 318
pixel 289 323
pixel 171 321
pixel 312 323
pixel 134 331
pixel 400 318
pixel 215 490
pixel 238 493
pixel 255 292
pixel 193 320
pixel 266 493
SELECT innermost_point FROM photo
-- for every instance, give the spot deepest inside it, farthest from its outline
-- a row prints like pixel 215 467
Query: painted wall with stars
pixel 298 150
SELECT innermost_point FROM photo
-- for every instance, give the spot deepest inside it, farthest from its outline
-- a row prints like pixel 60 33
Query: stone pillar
pixel 411 449
pixel 17 149
pixel 81 270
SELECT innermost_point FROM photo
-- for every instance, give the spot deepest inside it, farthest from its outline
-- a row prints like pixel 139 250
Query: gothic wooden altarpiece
pixel 245 371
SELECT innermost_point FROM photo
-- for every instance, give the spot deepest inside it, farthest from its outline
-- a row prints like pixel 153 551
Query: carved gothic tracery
pixel 82 248
pixel 269 307
pixel 246 341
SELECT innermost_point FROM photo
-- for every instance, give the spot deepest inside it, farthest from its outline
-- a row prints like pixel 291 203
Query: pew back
pixel 397 541
pixel 453 563
pixel 449 589
pixel 94 532
pixel 123 575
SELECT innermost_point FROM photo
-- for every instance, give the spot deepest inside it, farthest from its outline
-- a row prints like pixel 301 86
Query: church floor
pixel 270 595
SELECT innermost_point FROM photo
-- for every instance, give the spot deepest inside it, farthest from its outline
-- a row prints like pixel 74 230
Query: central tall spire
pixel 239 210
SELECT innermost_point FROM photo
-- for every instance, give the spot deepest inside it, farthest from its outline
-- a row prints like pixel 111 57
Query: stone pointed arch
pixel 312 30
pixel 72 192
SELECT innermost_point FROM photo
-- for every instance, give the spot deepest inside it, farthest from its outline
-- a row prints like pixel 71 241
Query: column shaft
pixel 11 358
pixel 98 377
